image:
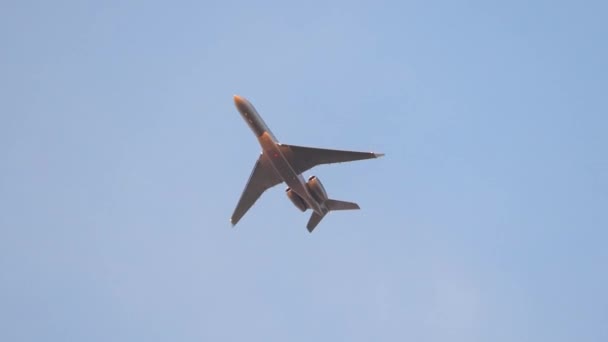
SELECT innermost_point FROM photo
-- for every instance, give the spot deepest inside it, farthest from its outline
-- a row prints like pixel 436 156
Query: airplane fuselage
pixel 272 152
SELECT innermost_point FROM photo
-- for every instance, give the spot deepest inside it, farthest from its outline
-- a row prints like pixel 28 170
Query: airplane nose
pixel 240 103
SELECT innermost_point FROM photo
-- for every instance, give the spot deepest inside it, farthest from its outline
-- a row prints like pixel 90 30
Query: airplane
pixel 280 163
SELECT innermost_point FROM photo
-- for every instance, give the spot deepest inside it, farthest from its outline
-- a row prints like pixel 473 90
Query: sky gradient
pixel 122 158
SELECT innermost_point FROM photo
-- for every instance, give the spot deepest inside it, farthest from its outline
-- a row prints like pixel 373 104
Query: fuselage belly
pixel 272 151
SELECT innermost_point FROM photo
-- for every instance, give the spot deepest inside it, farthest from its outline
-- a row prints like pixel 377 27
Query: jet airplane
pixel 280 163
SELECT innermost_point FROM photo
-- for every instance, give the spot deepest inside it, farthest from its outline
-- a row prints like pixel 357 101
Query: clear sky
pixel 122 158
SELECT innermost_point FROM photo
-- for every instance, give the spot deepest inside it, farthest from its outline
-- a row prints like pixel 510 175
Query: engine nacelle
pixel 296 199
pixel 316 189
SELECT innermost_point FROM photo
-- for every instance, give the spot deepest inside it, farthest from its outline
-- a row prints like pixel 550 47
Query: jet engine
pixel 316 189
pixel 296 199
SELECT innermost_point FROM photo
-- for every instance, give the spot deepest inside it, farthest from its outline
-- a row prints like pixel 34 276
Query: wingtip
pixel 379 155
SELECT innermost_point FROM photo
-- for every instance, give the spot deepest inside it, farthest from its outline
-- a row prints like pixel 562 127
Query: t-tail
pixel 332 205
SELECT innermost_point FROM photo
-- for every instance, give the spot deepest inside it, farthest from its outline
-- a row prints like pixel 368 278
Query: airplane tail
pixel 332 205
pixel 341 205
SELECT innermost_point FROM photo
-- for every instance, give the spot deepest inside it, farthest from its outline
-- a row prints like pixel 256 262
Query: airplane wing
pixel 305 158
pixel 262 178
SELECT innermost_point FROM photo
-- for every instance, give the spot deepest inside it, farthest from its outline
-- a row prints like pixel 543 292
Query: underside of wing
pixel 304 158
pixel 262 178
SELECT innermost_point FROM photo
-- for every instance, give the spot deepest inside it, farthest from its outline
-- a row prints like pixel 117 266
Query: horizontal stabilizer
pixel 341 205
pixel 331 206
pixel 314 221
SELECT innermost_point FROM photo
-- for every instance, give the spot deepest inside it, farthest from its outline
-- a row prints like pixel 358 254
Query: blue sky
pixel 122 158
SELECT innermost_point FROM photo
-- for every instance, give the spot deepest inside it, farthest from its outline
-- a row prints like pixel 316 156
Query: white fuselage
pixel 271 150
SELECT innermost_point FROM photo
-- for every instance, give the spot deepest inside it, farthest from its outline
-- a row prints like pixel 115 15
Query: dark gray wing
pixel 305 158
pixel 262 178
